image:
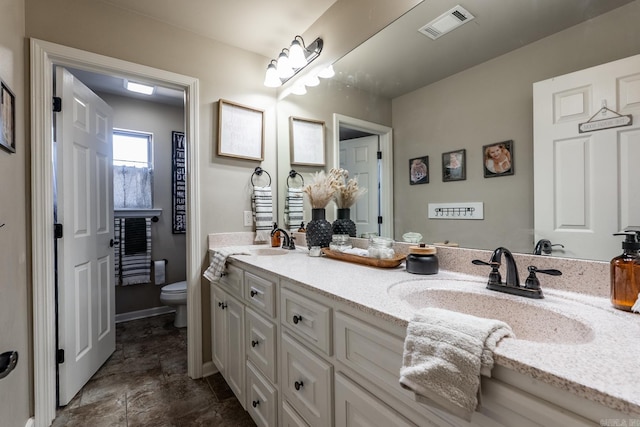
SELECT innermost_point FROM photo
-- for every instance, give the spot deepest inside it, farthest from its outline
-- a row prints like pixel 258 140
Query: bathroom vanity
pixel 312 341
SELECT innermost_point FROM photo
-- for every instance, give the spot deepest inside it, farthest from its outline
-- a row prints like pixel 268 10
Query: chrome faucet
pixel 287 241
pixel 531 288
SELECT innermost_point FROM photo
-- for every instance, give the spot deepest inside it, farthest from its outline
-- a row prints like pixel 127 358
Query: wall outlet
pixel 248 218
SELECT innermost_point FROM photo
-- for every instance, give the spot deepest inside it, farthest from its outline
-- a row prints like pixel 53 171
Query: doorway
pixel 44 55
pixel 385 147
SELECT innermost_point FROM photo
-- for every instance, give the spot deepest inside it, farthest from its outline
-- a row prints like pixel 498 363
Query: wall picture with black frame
pixel 7 118
pixel 498 159
pixel 419 170
pixel 179 182
pixel 454 165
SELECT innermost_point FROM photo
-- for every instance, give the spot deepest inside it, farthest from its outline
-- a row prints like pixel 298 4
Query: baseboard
pixel 141 314
pixel 30 422
pixel 209 368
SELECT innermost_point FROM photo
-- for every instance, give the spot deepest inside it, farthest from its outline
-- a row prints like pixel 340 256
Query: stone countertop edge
pixel 598 370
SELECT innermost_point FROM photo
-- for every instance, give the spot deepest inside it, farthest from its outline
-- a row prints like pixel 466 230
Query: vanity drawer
pixel 306 318
pixel 290 417
pixel 306 383
pixel 231 280
pixel 260 293
pixel 261 343
pixel 262 399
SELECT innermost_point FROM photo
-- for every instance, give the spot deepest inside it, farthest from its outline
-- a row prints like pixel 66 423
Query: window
pixel 132 170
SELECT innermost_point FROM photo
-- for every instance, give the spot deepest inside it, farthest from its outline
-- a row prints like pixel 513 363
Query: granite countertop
pixel 599 362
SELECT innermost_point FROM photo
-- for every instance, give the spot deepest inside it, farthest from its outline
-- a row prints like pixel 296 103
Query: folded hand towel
pixel 262 205
pixel 445 353
pixel 219 260
pixel 293 208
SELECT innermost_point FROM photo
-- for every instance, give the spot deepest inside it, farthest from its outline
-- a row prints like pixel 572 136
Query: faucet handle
pixel 494 276
pixel 532 281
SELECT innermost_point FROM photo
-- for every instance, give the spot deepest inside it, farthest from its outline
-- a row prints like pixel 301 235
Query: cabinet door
pixel 306 383
pixel 218 329
pixel 290 417
pixel 261 343
pixel 262 398
pixel 235 368
pixel 306 318
pixel 357 408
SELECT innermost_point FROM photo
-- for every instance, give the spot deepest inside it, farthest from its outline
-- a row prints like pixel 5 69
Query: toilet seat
pixel 175 288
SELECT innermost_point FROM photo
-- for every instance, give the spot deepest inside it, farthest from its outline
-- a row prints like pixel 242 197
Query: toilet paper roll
pixel 158 272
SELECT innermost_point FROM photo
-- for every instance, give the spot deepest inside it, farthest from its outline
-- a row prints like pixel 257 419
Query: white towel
pixel 293 209
pixel 445 353
pixel 219 261
pixel 262 206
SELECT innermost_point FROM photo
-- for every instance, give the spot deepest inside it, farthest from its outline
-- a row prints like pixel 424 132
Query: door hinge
pixel 379 155
pixel 60 356
pixel 380 220
pixel 57 231
pixel 57 104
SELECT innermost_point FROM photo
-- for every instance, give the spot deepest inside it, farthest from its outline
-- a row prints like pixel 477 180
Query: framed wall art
pixel 307 141
pixel 7 118
pixel 240 131
pixel 454 165
pixel 419 170
pixel 498 159
pixel 179 183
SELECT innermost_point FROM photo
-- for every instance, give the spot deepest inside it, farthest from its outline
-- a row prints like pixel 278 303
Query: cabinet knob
pixel 297 318
pixel 298 385
pixel 255 343
pixel 255 403
pixel 222 305
pixel 224 273
pixel 253 293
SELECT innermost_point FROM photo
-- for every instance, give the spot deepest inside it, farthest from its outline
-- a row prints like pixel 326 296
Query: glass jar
pixel 340 242
pixel 381 247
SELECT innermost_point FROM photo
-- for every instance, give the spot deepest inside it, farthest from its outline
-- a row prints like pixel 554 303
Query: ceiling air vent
pixel 446 22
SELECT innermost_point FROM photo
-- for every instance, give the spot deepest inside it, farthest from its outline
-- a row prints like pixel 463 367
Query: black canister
pixel 422 260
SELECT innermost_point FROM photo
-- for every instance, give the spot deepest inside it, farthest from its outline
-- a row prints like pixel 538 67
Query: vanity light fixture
pixel 291 61
pixel 139 87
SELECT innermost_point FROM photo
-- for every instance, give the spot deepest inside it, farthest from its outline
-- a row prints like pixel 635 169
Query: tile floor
pixel 145 383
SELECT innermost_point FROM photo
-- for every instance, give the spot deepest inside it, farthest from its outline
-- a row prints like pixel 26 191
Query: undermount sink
pixel 531 320
pixel 269 251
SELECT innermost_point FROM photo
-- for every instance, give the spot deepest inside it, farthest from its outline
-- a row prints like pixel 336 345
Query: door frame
pixel 386 147
pixel 44 55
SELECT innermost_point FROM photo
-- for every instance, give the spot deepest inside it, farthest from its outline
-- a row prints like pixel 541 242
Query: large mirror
pixel 465 90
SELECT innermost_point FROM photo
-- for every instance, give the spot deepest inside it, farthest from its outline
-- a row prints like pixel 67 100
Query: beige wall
pixel 15 308
pixel 489 103
pixel 160 120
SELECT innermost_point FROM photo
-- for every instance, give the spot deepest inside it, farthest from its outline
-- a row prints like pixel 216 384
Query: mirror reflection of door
pixel 359 156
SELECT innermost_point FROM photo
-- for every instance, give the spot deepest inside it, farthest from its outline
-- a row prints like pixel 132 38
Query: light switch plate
pixel 248 219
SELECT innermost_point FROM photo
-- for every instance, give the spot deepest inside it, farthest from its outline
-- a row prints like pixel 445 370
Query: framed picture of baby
pixel 419 170
pixel 498 159
pixel 454 166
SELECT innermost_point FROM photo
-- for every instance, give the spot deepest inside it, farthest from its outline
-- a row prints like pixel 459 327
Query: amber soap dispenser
pixel 625 273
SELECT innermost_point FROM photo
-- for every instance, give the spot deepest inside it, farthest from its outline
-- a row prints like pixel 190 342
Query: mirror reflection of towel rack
pixel 292 175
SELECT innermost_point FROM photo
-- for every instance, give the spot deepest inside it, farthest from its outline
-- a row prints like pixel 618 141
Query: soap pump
pixel 625 273
pixel 275 236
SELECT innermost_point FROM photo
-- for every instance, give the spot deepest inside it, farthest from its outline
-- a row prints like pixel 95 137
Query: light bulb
pixel 327 73
pixel 284 66
pixel 271 78
pixel 297 57
pixel 312 81
pixel 299 89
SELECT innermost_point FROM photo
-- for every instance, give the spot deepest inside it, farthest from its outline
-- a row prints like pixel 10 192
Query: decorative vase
pixel 344 224
pixel 318 229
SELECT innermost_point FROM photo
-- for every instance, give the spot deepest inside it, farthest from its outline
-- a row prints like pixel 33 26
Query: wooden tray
pixel 374 262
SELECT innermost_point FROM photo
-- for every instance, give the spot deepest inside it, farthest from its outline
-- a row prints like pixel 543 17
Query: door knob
pixel 113 242
pixel 8 361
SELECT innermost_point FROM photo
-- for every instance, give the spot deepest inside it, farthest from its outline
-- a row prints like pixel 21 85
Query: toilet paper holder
pixel 166 261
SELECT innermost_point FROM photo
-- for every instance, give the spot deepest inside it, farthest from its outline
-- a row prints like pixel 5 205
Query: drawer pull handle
pixel 222 305
pixel 255 403
pixel 297 318
pixel 255 343
pixel 253 293
pixel 224 273
pixel 298 385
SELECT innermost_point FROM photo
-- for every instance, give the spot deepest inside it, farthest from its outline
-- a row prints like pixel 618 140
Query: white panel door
pixel 84 203
pixel 586 184
pixel 360 157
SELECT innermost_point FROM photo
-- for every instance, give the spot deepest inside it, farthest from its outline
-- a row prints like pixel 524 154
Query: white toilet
pixel 175 295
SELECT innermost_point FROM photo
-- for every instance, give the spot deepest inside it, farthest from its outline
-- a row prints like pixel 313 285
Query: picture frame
pixel 240 131
pixel 498 159
pixel 179 182
pixel 419 170
pixel 7 118
pixel 307 141
pixel 454 165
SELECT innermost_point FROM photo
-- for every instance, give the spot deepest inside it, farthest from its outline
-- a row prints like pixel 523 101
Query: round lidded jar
pixel 381 247
pixel 340 242
pixel 422 259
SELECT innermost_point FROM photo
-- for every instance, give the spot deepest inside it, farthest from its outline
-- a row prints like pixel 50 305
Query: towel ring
pixel 258 171
pixel 293 174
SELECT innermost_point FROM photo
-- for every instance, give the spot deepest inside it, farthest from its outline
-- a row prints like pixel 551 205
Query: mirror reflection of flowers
pixel 321 189
pixel 347 190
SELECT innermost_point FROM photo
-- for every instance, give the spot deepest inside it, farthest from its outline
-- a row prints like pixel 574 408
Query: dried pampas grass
pixel 347 191
pixel 321 189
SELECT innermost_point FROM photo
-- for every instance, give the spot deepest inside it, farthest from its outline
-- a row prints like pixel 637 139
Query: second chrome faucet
pixel 531 288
